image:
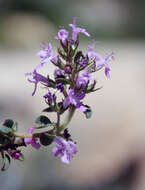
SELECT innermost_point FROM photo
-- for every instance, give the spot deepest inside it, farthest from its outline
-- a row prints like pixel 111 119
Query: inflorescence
pixel 65 91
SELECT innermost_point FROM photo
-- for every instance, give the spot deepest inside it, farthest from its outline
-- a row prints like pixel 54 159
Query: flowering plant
pixel 65 91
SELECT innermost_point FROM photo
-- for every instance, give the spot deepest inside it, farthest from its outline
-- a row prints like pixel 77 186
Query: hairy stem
pixel 34 135
pixel 68 119
pixel 58 122
pixel 59 127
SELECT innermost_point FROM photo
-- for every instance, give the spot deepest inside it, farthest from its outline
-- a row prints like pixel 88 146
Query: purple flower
pixel 76 30
pixel 32 141
pixel 62 35
pixel 83 80
pixel 68 69
pixel 64 149
pixel 82 63
pixel 58 73
pixel 100 62
pixel 48 95
pixel 46 54
pixel 50 98
pixel 36 78
pixel 16 155
pixel 74 99
pixel 60 87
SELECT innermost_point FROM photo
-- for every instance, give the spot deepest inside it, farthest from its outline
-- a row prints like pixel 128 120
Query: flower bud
pixel 68 69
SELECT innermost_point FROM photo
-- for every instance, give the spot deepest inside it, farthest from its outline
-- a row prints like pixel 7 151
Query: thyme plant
pixel 64 92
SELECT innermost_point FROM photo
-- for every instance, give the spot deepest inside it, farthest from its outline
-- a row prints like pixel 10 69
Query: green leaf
pixel 21 158
pixel 72 50
pixel 44 126
pixel 88 112
pixel 49 109
pixel 5 129
pixel 63 81
pixel 6 162
pixel 8 123
pixel 60 107
pixel 15 127
pixel 42 120
pixel 46 139
pixel 62 54
pixel 52 83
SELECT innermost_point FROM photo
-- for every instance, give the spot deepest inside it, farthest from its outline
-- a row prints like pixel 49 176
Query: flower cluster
pixel 65 91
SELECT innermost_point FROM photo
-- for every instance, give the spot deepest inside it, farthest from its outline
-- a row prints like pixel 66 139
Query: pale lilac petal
pixel 76 30
pixel 73 146
pixel 64 149
pixel 59 141
pixel 46 54
pixel 81 107
pixel 81 95
pixel 47 59
pixel 31 129
pixel 42 54
pixel 65 159
pixel 82 30
pixel 27 140
pixel 62 35
pixel 57 152
pixel 35 88
pixel 100 61
pixel 32 141
pixel 35 144
pixel 37 78
pixel 66 102
pixel 107 71
pixel 74 100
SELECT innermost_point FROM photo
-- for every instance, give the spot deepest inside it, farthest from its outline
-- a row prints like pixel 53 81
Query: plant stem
pixel 34 135
pixel 68 119
pixel 59 127
pixel 58 122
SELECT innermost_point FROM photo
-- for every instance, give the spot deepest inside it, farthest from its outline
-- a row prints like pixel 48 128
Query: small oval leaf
pixel 49 109
pixel 63 81
pixel 42 120
pixel 88 112
pixel 5 129
pixel 15 127
pixel 8 123
pixel 46 139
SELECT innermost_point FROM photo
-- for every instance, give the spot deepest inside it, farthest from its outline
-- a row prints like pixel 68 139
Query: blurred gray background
pixel 111 144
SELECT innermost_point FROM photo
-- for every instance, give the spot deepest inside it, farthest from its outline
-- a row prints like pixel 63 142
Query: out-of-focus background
pixel 111 144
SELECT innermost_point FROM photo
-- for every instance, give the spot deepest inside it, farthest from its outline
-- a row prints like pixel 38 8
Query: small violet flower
pixel 58 73
pixel 46 54
pixel 74 99
pixel 62 36
pixel 50 98
pixel 32 141
pixel 60 87
pixel 100 62
pixel 64 149
pixel 16 155
pixel 36 79
pixel 76 30
pixel 83 80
